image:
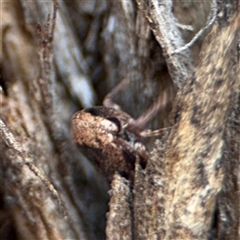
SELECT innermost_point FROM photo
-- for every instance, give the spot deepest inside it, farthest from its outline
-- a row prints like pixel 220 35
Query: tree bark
pixel 58 58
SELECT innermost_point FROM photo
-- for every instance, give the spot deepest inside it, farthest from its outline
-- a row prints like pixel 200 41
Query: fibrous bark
pixel 56 60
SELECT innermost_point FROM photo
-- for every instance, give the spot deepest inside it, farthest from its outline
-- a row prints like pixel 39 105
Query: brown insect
pixel 111 139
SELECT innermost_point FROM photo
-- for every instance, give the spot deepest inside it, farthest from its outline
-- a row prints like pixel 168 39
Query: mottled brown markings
pixel 204 154
pixel 217 165
pixel 196 116
pixel 202 180
pixel 204 199
pixel 186 211
pixel 191 83
pixel 218 82
pixel 219 72
pixel 209 133
pixel 177 114
pixel 109 139
pixel 98 141
pixel 214 107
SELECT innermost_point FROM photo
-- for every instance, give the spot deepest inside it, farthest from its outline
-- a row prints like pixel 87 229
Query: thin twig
pixel 211 19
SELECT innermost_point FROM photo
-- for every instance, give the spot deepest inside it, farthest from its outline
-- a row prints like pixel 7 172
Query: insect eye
pixel 116 122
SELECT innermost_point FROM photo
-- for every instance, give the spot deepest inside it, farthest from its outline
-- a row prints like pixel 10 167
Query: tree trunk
pixel 58 58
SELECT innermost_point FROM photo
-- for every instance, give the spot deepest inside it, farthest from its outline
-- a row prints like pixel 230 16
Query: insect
pixel 111 139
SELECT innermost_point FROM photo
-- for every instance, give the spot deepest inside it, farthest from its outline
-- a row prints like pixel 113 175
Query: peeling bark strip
pixel 194 156
pixel 120 210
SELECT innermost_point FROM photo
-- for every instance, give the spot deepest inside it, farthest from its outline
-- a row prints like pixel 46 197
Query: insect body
pixel 110 139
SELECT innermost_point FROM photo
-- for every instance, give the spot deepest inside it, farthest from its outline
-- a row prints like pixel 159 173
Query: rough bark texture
pixel 56 61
